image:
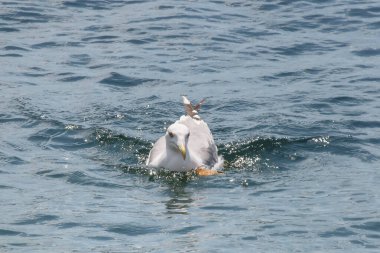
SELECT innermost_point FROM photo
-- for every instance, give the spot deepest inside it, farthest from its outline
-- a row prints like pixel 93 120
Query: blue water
pixel 292 89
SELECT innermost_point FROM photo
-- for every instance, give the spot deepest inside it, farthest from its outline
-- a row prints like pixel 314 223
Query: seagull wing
pixel 198 106
pixel 156 152
pixel 188 106
pixel 201 144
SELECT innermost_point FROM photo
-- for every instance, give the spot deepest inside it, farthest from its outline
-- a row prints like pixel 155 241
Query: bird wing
pixel 156 152
pixel 201 143
pixel 198 106
pixel 191 110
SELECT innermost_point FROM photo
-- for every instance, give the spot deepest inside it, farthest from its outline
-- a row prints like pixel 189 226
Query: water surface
pixel 292 91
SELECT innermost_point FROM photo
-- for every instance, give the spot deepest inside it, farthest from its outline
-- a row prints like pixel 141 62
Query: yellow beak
pixel 182 149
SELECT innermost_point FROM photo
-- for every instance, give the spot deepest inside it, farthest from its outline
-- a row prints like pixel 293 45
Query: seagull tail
pixel 191 110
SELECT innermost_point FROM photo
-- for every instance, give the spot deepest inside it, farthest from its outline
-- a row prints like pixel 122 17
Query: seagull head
pixel 177 137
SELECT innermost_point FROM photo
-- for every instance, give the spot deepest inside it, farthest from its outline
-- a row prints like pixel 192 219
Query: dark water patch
pixel 268 7
pixel 297 25
pixel 250 238
pixel 100 66
pixel 299 49
pixel 73 44
pixel 81 178
pixel 290 233
pixel 374 25
pixel 101 39
pixel 6 232
pixel 370 226
pixel 18 244
pixel 69 137
pixel 267 192
pixel 181 18
pixel 373 236
pixel 368 52
pixel 8 29
pixel 366 79
pixel 117 79
pixel 107 137
pixel 234 105
pixel 178 206
pixel 327 20
pixel 287 74
pixel 339 232
pixel 276 153
pixel 252 33
pixel 10 55
pixel 6 187
pixel 11 159
pixel 37 219
pixel 31 123
pixel 224 208
pixel 351 147
pixel 33 74
pixel 354 218
pixel 323 108
pixel 101 238
pixel 42 172
pixel 186 230
pixel 72 78
pixel 67 225
pixel 49 44
pixel 375 141
pixel 26 17
pixel 89 4
pixel 133 229
pixel 364 124
pixel 99 28
pixel 14 48
pixel 161 69
pixel 45 135
pixel 140 41
pixel 363 13
pixel 333 45
pixel 65 74
pixel 6 118
pixel 345 100
pixel 163 28
pixel 57 175
pixel 248 154
pixel 336 28
pixel 52 174
pixel 228 39
pixel 165 7
pixel 79 60
pixel 252 146
pixel 180 203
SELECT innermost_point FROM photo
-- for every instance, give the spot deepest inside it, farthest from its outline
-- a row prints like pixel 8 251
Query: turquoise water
pixel 292 98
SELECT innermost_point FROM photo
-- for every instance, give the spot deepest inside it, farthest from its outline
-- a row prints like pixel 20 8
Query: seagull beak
pixel 182 149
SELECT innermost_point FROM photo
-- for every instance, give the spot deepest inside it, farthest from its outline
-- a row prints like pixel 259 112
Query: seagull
pixel 187 145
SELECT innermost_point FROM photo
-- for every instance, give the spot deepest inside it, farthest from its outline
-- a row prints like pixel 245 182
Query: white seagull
pixel 187 145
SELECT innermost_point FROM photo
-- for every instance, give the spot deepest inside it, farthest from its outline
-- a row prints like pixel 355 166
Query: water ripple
pixel 368 52
pixel 37 219
pixel 133 229
pixel 292 101
pixel 124 81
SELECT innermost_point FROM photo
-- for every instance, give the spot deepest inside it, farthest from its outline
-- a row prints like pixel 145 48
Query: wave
pixel 129 153
pixel 252 154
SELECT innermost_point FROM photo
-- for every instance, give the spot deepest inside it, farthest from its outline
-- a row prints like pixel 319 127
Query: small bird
pixel 187 145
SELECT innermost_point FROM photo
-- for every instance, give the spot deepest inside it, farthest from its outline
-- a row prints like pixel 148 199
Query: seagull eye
pixel 188 135
pixel 171 134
